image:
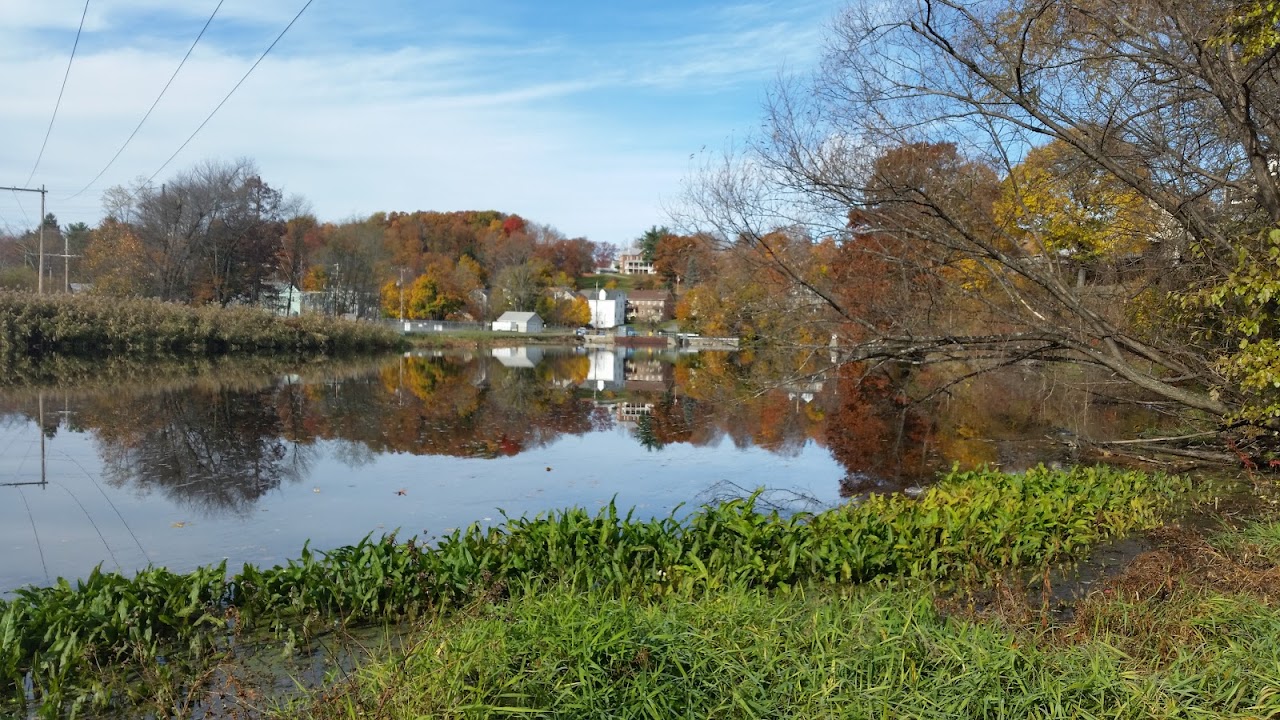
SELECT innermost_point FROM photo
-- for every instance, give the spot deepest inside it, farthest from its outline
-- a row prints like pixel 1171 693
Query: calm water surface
pixel 248 467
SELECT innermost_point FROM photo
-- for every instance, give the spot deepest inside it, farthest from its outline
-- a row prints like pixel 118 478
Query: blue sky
pixel 587 116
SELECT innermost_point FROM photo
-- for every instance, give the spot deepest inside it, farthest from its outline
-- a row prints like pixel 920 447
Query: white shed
pixel 523 322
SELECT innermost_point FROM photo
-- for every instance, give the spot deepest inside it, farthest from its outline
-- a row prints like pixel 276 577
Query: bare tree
pixel 211 234
pixel 1155 95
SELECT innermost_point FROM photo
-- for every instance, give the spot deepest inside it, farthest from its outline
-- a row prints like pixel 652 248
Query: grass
pixel 971 526
pixel 814 653
pixel 621 282
pixel 475 338
pixel 34 325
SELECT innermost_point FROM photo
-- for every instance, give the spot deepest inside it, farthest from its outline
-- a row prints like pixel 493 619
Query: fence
pixel 435 326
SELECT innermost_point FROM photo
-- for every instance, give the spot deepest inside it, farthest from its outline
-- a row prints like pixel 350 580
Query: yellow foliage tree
pixel 116 261
pixel 1054 202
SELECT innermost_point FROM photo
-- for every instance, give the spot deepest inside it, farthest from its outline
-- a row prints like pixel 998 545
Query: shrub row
pixel 970 524
pixel 34 325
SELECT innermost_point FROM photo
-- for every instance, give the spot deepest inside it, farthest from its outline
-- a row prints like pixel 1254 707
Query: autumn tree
pixel 429 300
pixel 574 257
pixel 1166 113
pixel 115 261
pixel 350 268
pixel 210 234
pixel 1058 206
pixel 565 311
pixel 298 246
pixel 683 258
pixel 749 298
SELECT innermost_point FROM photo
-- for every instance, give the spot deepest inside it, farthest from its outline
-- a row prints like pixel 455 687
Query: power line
pixel 233 90
pixel 24 210
pixel 153 105
pixel 58 104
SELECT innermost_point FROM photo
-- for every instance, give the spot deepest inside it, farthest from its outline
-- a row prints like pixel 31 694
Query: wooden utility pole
pixel 40 262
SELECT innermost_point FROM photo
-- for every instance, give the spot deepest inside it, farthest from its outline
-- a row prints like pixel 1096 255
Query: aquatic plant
pixel 970 524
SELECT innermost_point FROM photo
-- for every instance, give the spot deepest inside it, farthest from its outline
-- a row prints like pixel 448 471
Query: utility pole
pixel 401 286
pixel 40 262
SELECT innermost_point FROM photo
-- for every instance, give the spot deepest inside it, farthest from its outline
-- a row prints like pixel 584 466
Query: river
pixel 247 465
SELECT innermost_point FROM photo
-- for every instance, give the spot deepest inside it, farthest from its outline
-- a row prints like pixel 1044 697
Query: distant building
pixel 634 264
pixel 608 308
pixel 522 322
pixel 653 306
pixel 282 299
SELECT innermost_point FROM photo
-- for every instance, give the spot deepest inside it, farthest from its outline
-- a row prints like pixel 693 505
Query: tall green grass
pixel 810 653
pixel 971 524
pixel 33 325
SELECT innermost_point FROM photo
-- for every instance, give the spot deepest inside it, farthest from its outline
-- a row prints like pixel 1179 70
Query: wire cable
pixel 35 532
pixel 101 537
pixel 233 90
pixel 153 105
pixel 18 200
pixel 107 497
pixel 58 104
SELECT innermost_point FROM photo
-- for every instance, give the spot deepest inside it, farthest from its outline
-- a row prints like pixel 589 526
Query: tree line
pixel 218 233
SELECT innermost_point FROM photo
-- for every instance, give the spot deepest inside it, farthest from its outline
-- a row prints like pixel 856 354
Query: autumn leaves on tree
pixel 989 182
pixel 218 233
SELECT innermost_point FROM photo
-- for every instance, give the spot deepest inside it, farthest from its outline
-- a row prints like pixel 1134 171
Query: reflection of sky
pixel 81 521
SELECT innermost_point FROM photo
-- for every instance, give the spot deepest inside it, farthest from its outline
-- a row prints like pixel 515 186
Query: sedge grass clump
pixel 32 325
pixel 970 524
pixel 752 653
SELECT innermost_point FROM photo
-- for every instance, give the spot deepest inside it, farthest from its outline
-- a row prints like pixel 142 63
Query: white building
pixel 281 298
pixel 522 322
pixel 634 264
pixel 608 308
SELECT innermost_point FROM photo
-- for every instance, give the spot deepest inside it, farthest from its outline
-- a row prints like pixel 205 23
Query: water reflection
pixel 212 449
pixel 248 464
pixel 221 447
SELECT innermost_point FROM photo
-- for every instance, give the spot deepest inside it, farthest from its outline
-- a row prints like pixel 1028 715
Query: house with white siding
pixel 608 308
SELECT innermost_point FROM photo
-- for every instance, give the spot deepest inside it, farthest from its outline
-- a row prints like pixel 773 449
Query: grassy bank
pixel 472 339
pixel 91 642
pixel 32 325
pixel 1178 643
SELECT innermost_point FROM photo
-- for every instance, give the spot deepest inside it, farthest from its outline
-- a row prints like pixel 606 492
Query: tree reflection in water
pixel 217 450
pixel 221 444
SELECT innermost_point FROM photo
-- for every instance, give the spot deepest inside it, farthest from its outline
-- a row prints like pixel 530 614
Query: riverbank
pixel 86 326
pixel 474 339
pixel 91 643
pixel 1189 630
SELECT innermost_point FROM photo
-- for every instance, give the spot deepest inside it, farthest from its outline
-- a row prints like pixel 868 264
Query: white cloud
pixel 529 125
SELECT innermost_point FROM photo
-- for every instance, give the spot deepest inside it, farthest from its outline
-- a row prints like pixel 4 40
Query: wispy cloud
pixel 398 106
